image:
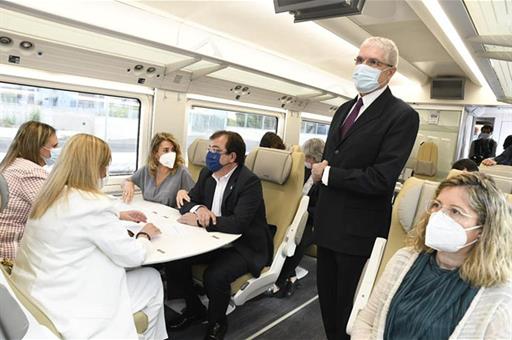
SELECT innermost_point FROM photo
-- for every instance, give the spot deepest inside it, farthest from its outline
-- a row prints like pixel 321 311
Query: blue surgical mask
pixel 213 161
pixel 366 78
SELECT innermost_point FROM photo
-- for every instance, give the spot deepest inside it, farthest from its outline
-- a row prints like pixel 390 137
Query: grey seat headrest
pixel 414 197
pixel 271 165
pixel 4 193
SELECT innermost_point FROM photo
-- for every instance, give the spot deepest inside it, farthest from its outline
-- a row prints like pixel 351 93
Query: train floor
pixel 266 318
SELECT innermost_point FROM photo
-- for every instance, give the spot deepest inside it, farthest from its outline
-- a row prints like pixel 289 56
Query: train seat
pixel 409 207
pixel 33 307
pixel 499 170
pixel 196 156
pixel 282 175
pixel 426 160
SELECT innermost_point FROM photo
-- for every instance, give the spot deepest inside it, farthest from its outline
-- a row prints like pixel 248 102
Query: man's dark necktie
pixel 351 118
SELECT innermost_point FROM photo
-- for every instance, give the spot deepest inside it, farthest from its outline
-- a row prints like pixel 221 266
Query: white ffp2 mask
pixel 168 159
pixel 444 234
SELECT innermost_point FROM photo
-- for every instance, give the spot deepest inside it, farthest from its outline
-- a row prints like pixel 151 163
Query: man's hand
pixel 204 215
pixel 181 197
pixel 132 215
pixel 190 219
pixel 318 170
pixel 489 162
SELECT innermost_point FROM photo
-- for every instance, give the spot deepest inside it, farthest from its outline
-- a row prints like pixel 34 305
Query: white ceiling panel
pixel 251 79
pixel 504 72
pixel 198 66
pixel 491 17
pixel 335 101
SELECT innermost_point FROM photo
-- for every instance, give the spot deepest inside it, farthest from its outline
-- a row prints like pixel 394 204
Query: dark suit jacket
pixel 355 207
pixel 505 158
pixel 243 212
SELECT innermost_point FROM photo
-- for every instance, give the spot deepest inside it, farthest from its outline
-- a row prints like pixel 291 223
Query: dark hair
pixel 465 164
pixel 272 140
pixel 487 127
pixel 235 143
pixel 507 142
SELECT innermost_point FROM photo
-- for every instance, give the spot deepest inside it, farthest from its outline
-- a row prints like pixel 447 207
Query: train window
pixel 114 119
pixel 202 122
pixel 311 129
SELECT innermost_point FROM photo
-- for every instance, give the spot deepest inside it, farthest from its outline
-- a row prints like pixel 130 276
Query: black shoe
pixel 291 287
pixel 185 319
pixel 216 331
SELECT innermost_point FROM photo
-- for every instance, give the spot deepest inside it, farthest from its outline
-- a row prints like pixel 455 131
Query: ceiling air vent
pixel 447 88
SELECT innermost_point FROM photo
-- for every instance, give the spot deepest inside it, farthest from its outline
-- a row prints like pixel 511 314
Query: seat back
pixel 282 176
pixel 33 307
pixel 196 156
pixel 503 183
pixel 13 321
pixel 426 159
pixel 500 170
pixel 4 193
pixel 410 205
pixel 366 281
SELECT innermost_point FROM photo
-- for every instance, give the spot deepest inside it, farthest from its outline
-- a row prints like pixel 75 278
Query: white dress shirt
pixel 222 183
pixel 368 99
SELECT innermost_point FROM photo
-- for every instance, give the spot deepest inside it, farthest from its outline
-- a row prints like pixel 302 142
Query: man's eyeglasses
pixel 372 62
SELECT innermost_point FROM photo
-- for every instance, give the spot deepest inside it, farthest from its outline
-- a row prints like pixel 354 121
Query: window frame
pixel 145 114
pixel 317 121
pixel 191 103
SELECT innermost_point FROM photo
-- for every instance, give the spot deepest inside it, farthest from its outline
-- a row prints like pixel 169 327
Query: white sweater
pixel 489 315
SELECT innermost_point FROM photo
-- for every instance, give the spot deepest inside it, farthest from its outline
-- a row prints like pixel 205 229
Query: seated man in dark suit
pixel 505 158
pixel 228 198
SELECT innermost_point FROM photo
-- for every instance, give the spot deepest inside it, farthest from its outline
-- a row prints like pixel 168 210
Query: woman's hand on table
pixel 182 197
pixel 132 215
pixel 128 190
pixel 149 229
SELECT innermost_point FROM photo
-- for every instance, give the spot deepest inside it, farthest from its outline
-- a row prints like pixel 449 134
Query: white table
pixel 177 240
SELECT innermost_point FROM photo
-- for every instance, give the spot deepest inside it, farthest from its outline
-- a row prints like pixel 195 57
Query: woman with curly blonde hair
pixel 454 278
pixel 164 174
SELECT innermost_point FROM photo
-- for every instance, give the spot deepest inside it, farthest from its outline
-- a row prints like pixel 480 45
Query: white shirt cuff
pixel 194 208
pixel 325 175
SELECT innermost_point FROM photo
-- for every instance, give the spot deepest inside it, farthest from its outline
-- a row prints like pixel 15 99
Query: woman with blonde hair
pixel 164 174
pixel 454 279
pixel 23 170
pixel 73 256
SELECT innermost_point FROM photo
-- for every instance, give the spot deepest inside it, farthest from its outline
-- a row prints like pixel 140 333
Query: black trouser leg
pixel 180 283
pixel 337 278
pixel 219 275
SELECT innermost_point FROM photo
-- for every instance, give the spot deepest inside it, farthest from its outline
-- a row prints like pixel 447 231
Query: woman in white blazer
pixel 73 257
pixel 454 281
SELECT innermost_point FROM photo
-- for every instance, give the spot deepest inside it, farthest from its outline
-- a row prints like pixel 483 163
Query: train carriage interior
pixel 123 70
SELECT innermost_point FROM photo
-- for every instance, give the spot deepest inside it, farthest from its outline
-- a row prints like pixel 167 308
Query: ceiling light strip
pixel 451 33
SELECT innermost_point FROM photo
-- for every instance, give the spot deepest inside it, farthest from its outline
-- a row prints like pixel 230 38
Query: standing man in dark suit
pixel 369 141
pixel 228 198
